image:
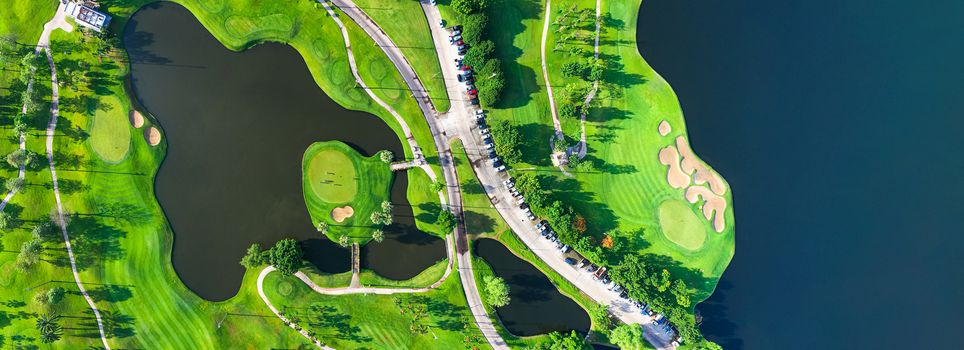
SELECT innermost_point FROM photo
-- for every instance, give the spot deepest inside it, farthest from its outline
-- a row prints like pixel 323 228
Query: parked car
pixel 564 249
pixel 592 268
pixel 457 27
pixel 583 263
pixel 624 295
pixel 489 146
pixel 570 261
pixel 530 216
pixel 479 112
pixel 472 92
pixel 441 23
pixel 486 139
pixel 434 3
pixel 483 131
pixel 462 52
pixel 496 162
pixel 492 154
pixel 475 101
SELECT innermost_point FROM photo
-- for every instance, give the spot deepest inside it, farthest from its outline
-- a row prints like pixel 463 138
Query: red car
pixel 473 92
pixel 466 67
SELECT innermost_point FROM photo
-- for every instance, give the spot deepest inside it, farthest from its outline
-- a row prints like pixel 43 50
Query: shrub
pixel 446 221
pixel 254 257
pixel 478 53
pixel 386 156
pixel 508 141
pixel 496 291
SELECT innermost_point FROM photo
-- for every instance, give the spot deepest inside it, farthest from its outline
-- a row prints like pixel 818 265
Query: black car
pixel 496 163
pixel 570 261
pixel 592 268
pixel 475 101
pixel 492 154
pixel 480 122
pixel 457 27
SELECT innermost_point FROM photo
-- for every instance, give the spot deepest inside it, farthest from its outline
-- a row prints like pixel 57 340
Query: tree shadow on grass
pixel 599 217
pixel 535 150
pixel 476 222
pixel 328 320
pixel 520 81
pixel 92 242
pixel 445 315
pixel 429 212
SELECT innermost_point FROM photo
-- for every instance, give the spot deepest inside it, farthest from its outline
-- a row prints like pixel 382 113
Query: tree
pixel 438 186
pixel 682 293
pixel 496 291
pixel 378 236
pixel 573 69
pixel 55 295
pixel 508 141
pixel 25 158
pixel 478 53
pixel 8 48
pixel 490 88
pixel 387 207
pixel 45 231
pixel 322 227
pixel 608 242
pixel 383 217
pixel 465 7
pixel 13 184
pixel 446 221
pixel 558 341
pixel 286 256
pixel 50 328
pixel 474 28
pixel 628 337
pixel 599 314
pixel 343 241
pixel 579 223
pixel 29 254
pixel 254 257
pixel 20 124
pixel 386 156
pixel 6 220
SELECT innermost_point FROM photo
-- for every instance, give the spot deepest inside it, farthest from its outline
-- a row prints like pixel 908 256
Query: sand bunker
pixel 664 128
pixel 342 213
pixel 153 136
pixel 712 209
pixel 685 170
pixel 137 120
pixel 701 174
pixel 675 175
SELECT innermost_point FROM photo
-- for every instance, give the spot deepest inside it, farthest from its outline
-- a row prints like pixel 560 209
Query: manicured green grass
pixel 627 183
pixel 425 278
pixel 334 175
pixel 26 18
pixel 119 232
pixel 406 24
pixel 680 225
pixel 111 131
pixel 379 321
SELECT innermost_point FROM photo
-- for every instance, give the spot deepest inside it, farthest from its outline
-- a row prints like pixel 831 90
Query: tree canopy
pixel 496 291
pixel 628 337
pixel 286 256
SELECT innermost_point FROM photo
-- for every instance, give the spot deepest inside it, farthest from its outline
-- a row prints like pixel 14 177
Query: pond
pixel 535 306
pixel 236 126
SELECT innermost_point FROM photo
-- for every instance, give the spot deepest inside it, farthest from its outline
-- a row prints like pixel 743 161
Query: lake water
pixel 838 125
pixel 535 306
pixel 236 126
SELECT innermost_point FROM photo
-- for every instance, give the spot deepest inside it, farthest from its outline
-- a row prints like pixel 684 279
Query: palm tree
pixel 322 227
pixel 378 236
pixel 47 323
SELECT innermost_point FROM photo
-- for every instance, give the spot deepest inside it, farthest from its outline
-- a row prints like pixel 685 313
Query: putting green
pixel 332 176
pixel 680 224
pixel 336 178
pixel 110 134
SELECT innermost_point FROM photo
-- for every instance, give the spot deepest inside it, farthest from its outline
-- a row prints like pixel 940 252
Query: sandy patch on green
pixel 713 205
pixel 341 213
pixel 110 137
pixel 664 128
pixel 680 225
pixel 153 136
pixel 333 177
pixel 137 119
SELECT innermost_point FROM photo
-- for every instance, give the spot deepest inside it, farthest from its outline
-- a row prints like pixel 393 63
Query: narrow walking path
pixel 43 46
pixel 61 220
pixel 58 21
pixel 545 75
pixel 264 273
pixel 581 148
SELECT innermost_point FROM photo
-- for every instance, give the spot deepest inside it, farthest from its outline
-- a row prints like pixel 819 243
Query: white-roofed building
pixel 87 16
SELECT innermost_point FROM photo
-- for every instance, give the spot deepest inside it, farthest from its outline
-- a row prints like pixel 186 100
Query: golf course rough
pixel 342 188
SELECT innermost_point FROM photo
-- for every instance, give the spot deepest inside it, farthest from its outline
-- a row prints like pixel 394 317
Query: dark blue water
pixel 839 126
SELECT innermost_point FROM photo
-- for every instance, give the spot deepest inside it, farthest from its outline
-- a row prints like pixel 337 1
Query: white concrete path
pixel 545 75
pixel 264 273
